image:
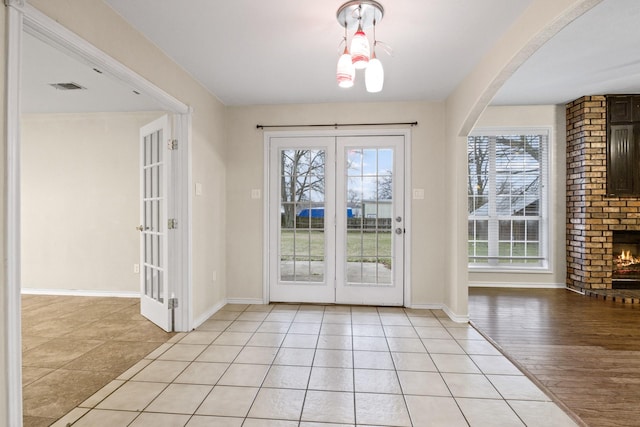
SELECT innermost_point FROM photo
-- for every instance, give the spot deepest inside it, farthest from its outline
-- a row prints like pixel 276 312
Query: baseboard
pixel 518 285
pixel 427 306
pixel 454 317
pixel 207 314
pixel 80 293
pixel 245 301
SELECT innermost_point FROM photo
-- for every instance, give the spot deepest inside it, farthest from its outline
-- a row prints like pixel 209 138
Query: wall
pixel 80 201
pixel 94 21
pixel 245 172
pixel 535 116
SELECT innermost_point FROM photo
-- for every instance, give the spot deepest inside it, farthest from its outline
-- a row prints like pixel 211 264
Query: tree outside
pixel 302 181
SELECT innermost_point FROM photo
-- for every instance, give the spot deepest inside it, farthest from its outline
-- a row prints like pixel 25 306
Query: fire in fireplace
pixel 626 259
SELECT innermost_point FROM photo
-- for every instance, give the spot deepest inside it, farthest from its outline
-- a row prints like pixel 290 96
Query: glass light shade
pixel 346 73
pixel 360 50
pixel 374 76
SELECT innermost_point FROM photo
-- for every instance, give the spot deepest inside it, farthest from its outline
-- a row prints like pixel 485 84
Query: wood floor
pixel 586 351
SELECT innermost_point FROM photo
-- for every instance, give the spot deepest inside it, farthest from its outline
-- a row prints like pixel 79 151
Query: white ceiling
pixel 597 54
pixel 44 64
pixel 285 51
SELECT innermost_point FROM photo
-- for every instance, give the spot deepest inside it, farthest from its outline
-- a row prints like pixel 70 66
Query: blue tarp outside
pixel 319 213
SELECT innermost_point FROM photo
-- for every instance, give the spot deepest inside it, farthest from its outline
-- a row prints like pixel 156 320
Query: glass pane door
pixel 302 231
pixel 302 219
pixel 370 226
pixel 155 163
pixel 337 233
pixel 152 218
pixel 369 213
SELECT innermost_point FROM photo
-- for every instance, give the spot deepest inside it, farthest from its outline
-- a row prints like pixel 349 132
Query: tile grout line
pixel 221 375
pixel 276 355
pixel 387 334
pixel 353 368
pixel 315 350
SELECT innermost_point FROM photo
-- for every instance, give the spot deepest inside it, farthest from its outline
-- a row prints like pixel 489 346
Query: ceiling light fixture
pixel 360 14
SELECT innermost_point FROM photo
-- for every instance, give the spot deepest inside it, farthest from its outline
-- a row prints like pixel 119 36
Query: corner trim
pixel 454 317
pixel 12 279
pixel 207 314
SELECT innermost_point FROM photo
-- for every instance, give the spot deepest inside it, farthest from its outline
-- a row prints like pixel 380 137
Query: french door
pixel 336 212
pixel 155 164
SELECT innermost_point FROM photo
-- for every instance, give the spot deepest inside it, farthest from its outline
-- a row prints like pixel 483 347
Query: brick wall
pixel 591 215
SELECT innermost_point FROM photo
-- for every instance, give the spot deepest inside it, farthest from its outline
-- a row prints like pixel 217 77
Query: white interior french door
pixel 370 236
pixel 155 165
pixel 336 219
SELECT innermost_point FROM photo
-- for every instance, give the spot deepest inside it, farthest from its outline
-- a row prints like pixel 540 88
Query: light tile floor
pixel 321 366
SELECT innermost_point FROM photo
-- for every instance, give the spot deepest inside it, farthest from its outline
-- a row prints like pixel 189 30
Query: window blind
pixel 507 177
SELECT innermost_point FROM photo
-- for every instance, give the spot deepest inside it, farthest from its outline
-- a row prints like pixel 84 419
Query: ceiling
pixel 597 54
pixel 44 64
pixel 285 51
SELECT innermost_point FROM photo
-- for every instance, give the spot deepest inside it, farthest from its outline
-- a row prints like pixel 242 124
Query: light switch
pixel 198 189
pixel 418 193
pixel 256 193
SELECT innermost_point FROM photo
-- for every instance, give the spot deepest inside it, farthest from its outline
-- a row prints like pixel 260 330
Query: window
pixel 507 198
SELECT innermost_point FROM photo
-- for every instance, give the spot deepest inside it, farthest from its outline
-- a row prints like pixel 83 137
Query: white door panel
pixel 155 165
pixel 370 236
pixel 302 220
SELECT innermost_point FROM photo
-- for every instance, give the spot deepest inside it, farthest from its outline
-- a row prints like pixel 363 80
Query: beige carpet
pixel 73 346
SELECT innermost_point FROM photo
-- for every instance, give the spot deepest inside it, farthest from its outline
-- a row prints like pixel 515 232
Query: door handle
pixel 399 230
pixel 141 228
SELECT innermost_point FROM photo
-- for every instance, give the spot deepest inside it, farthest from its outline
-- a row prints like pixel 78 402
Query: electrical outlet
pixel 256 193
pixel 136 268
pixel 418 193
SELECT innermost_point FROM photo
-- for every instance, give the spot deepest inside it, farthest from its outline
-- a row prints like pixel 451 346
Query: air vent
pixel 67 86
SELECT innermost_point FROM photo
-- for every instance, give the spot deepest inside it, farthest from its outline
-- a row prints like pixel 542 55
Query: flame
pixel 626 259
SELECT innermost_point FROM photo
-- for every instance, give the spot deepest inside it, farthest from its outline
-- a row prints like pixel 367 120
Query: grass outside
pixel 505 249
pixel 361 247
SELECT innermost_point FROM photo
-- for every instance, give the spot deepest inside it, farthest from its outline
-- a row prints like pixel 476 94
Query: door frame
pixel 406 133
pixel 24 17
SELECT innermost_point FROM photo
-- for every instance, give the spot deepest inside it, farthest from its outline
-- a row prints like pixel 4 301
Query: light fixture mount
pixel 363 12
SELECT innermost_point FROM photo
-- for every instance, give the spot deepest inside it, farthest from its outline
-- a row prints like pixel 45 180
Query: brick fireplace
pixel 592 216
